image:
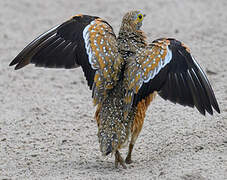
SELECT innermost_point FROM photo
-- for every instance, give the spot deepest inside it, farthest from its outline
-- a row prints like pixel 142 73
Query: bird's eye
pixel 140 17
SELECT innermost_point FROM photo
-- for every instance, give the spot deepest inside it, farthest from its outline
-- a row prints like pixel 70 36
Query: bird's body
pixel 125 73
pixel 114 130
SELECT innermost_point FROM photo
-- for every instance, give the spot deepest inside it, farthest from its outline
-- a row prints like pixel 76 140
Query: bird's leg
pixel 128 159
pixel 119 159
pixel 138 124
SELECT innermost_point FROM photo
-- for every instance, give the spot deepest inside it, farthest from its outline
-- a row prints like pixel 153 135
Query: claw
pixel 128 160
pixel 119 159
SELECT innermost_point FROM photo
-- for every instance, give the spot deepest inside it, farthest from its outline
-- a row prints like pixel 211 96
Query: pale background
pixel 47 129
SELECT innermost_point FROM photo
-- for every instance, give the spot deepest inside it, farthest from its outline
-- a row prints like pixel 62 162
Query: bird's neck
pixel 131 40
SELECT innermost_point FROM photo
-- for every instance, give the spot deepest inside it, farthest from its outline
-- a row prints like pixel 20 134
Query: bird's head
pixel 133 20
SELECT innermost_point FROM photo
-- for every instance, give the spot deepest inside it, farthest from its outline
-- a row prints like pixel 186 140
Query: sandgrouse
pixel 124 73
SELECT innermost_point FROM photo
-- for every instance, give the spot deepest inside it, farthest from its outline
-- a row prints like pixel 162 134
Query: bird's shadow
pixel 90 166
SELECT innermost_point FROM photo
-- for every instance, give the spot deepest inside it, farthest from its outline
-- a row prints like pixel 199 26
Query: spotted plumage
pixel 125 73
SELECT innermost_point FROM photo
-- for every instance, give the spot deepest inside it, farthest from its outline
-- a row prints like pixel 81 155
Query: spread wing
pixel 85 41
pixel 167 66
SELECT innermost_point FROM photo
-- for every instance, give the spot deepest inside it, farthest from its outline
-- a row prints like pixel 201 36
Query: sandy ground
pixel 47 129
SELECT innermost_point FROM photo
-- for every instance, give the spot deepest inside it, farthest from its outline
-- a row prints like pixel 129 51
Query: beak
pixel 144 15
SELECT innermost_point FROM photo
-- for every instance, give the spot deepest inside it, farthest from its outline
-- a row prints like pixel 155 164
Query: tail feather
pixel 114 129
pixel 108 144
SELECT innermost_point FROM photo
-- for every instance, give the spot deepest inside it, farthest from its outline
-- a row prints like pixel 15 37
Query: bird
pixel 124 73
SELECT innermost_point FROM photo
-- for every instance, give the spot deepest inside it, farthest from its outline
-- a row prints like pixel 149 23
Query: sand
pixel 47 130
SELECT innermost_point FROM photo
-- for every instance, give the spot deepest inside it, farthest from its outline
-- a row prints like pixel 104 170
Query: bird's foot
pixel 119 159
pixel 128 160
